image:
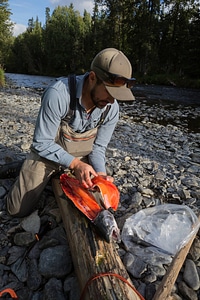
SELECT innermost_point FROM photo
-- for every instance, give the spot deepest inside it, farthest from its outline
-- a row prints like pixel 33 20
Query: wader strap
pixel 72 90
pixel 103 115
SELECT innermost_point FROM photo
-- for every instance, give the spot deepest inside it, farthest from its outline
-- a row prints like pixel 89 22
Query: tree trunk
pixel 93 257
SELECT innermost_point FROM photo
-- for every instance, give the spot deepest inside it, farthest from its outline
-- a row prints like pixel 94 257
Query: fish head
pixel 106 225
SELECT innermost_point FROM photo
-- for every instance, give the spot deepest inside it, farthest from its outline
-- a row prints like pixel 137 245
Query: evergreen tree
pixel 28 50
pixel 158 37
pixel 190 59
pixel 65 34
pixel 5 31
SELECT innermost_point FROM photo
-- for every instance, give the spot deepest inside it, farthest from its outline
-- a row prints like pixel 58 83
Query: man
pixel 73 133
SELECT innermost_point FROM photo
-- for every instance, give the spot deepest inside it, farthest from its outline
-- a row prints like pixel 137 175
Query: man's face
pixel 100 97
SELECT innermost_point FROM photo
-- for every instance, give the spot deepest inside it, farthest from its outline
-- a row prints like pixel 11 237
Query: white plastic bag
pixel 168 227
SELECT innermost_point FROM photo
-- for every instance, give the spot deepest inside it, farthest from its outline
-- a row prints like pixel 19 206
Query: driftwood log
pixel 93 258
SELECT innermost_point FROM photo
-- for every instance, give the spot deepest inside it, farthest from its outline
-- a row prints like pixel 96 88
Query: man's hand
pixel 83 172
pixel 109 178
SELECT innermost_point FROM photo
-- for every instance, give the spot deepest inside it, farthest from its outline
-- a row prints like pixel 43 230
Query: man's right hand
pixel 83 172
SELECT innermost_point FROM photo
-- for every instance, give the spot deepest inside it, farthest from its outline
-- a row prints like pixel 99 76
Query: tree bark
pixel 92 256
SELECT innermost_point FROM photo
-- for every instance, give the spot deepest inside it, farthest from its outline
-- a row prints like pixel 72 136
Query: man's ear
pixel 92 77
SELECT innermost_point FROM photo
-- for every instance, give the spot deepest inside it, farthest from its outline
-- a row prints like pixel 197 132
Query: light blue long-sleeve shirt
pixel 54 107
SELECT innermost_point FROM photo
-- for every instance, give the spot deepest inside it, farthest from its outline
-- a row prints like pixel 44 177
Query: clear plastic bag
pixel 168 227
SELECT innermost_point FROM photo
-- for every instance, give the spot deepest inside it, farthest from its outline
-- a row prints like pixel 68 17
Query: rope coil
pixel 11 292
pixel 94 277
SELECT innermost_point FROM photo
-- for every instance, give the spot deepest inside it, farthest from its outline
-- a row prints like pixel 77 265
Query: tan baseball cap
pixel 110 62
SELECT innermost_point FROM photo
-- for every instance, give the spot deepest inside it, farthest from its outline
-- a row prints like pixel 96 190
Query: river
pixel 151 92
pixel 28 81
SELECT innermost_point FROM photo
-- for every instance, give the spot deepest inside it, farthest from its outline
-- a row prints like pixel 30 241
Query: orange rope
pixel 94 277
pixel 9 291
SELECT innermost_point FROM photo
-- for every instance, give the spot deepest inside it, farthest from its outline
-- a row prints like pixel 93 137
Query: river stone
pixel 195 157
pixel 195 250
pixel 184 194
pixel 190 275
pixel 174 297
pixel 2 191
pixel 37 296
pixel 4 255
pixel 35 251
pixel 24 293
pixel 145 191
pixel 136 199
pixel 3 268
pixel 47 242
pixel 55 262
pixel 187 292
pixel 19 268
pixel 59 234
pixel 25 146
pixel 31 223
pixel 150 277
pixel 15 252
pixel 148 201
pixel 191 182
pixel 24 238
pixel 141 288
pixel 150 291
pixel 158 270
pixel 194 169
pixel 34 277
pixel 134 265
pixel 71 288
pixel 53 290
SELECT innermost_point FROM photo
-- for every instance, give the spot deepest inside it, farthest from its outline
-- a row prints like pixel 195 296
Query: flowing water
pixel 160 94
pixel 28 81
pixel 169 97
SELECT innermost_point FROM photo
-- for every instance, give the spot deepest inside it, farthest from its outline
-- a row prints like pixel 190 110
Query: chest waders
pixel 76 144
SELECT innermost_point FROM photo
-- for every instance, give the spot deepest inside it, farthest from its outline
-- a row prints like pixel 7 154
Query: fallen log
pixel 99 269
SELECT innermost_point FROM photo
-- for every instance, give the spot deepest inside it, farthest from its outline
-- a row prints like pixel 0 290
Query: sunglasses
pixel 116 80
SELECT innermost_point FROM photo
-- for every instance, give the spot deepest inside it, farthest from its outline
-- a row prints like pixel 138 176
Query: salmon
pixel 99 213
pixel 109 192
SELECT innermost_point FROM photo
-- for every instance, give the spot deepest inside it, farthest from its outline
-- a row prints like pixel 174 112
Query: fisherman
pixel 73 128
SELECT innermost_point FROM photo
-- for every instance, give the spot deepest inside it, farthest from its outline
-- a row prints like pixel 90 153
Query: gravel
pixel 154 157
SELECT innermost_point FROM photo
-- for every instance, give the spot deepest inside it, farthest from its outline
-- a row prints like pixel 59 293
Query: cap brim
pixel 120 93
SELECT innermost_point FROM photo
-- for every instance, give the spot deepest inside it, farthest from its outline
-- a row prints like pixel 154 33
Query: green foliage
pixel 28 50
pixel 64 34
pixel 2 77
pixel 5 30
pixel 161 39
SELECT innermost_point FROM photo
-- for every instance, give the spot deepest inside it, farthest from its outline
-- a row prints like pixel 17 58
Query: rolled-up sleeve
pixel 53 108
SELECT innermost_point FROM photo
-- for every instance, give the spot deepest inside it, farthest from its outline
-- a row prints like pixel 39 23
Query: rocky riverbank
pixel 154 156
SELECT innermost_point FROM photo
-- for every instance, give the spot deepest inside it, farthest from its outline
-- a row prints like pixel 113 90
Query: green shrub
pixel 2 77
